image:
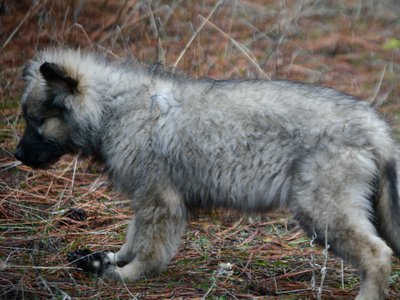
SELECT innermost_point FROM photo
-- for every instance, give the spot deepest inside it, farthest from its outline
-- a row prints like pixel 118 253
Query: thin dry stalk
pixel 205 20
pixel 34 9
pixel 246 52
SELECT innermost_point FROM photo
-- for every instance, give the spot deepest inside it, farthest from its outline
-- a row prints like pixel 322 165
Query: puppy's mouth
pixel 39 159
pixel 36 164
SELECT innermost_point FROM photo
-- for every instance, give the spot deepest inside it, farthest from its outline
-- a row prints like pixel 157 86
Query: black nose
pixel 19 154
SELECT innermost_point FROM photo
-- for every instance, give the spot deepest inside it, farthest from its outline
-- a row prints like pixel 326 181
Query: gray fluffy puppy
pixel 174 144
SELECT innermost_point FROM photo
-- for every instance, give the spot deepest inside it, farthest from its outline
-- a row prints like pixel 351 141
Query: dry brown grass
pixel 352 46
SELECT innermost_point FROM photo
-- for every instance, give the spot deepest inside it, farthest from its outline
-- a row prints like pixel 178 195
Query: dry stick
pixel 312 262
pixel 37 267
pixel 108 51
pixel 126 288
pixel 9 165
pixel 73 176
pixel 242 48
pixel 156 27
pixel 324 266
pixel 342 273
pixel 79 26
pixel 123 26
pixel 43 283
pixel 231 228
pixel 235 4
pixel 66 169
pixel 373 100
pixel 245 267
pixel 121 11
pixel 205 20
pixel 152 19
pixel 118 31
pixel 30 12
pixel 214 282
pixel 65 19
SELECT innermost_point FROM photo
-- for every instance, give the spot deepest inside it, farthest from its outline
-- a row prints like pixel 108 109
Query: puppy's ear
pixel 57 78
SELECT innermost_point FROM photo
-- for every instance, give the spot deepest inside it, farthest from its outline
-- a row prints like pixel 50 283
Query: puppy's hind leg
pixel 352 236
pixel 332 200
pixel 360 245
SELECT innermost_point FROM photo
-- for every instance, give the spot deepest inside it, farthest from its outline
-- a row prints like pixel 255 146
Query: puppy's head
pixel 47 134
pixel 61 106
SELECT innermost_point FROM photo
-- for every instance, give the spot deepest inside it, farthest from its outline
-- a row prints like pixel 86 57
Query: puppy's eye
pixel 39 122
pixel 36 121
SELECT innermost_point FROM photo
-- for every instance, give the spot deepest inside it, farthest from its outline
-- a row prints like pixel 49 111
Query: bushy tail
pixel 387 206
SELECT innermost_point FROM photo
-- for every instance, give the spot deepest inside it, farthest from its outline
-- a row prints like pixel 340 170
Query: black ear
pixel 56 77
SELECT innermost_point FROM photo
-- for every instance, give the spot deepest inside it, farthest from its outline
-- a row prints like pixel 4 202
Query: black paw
pixel 76 214
pixel 86 260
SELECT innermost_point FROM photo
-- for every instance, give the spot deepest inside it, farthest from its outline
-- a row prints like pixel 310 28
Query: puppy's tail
pixel 387 206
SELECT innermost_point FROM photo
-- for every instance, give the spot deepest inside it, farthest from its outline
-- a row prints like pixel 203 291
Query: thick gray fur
pixel 174 144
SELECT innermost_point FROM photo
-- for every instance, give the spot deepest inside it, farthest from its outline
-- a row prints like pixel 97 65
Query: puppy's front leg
pixel 152 240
